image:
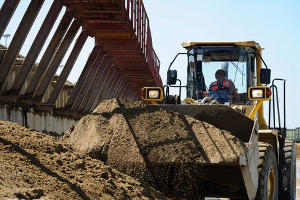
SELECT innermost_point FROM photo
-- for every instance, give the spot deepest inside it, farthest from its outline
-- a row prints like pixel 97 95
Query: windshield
pixel 204 62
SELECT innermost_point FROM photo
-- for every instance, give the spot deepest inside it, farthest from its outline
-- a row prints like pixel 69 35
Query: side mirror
pixel 172 77
pixel 265 76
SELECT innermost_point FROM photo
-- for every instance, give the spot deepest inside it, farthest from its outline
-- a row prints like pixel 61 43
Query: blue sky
pixel 274 24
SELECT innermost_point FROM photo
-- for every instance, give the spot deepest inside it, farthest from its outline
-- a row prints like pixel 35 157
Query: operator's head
pixel 220 74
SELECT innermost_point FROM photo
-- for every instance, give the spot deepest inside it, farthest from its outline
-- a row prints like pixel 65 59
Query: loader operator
pixel 222 89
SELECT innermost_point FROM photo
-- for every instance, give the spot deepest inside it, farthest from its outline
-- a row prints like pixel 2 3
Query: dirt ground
pixel 161 147
pixel 157 147
pixel 35 166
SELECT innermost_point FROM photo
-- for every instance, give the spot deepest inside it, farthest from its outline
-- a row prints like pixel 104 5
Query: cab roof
pixel 189 45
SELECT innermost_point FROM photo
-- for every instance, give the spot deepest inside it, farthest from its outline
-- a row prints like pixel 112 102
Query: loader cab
pixel 239 63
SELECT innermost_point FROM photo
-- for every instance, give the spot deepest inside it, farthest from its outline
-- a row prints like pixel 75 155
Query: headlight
pixel 153 94
pixel 257 93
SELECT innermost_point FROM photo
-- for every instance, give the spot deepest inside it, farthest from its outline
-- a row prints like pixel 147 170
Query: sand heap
pixel 34 166
pixel 164 148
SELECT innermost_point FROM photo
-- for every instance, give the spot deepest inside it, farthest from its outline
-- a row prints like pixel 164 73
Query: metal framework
pixel 121 63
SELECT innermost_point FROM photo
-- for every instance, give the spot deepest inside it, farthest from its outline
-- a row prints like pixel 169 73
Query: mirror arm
pixel 263 61
pixel 176 57
pixel 260 58
pixel 179 87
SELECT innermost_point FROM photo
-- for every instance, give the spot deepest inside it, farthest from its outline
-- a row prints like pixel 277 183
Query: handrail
pixel 140 23
pixel 274 89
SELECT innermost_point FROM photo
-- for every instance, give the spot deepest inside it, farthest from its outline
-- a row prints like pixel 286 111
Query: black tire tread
pixel 265 152
pixel 289 150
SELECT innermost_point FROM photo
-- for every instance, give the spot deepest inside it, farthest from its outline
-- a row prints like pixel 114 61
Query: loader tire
pixel 290 157
pixel 268 173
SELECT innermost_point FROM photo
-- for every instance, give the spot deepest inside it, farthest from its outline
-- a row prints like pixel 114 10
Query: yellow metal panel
pixel 186 44
pixel 255 109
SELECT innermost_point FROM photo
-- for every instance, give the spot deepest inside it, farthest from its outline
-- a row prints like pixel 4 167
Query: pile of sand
pixel 156 145
pixel 34 166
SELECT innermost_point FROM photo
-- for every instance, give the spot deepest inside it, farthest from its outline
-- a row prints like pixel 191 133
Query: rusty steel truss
pixel 120 64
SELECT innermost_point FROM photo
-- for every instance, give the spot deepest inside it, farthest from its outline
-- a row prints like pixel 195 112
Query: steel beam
pixel 126 91
pixel 107 87
pixel 130 96
pixel 50 51
pixel 105 73
pixel 37 45
pixel 133 64
pixel 127 96
pixel 124 52
pixel 103 25
pixel 112 87
pixel 94 84
pixel 68 67
pixel 134 95
pixel 118 86
pixel 122 92
pixel 104 15
pixel 104 83
pixel 120 43
pixel 88 82
pixel 55 62
pixel 19 38
pixel 7 10
pixel 80 5
pixel 83 76
pixel 120 89
pixel 97 101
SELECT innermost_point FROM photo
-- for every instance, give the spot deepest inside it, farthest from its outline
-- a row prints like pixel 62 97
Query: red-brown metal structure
pixel 121 63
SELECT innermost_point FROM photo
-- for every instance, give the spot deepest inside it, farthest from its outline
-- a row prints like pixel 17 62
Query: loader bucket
pixel 221 116
pixel 227 179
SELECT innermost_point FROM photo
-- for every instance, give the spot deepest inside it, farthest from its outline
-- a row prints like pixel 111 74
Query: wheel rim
pixel 271 183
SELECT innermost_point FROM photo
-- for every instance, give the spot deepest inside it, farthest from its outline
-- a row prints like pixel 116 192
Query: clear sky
pixel 274 24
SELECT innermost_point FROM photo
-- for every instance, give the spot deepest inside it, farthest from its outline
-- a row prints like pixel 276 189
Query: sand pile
pixel 34 166
pixel 162 147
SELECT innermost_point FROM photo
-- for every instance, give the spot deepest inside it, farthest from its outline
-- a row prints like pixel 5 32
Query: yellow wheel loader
pixel 267 170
